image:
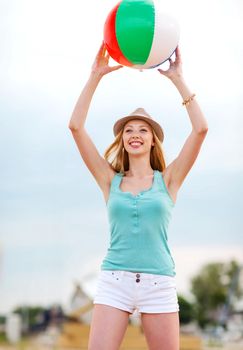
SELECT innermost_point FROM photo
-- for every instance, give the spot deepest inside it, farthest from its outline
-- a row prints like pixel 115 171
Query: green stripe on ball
pixel 135 21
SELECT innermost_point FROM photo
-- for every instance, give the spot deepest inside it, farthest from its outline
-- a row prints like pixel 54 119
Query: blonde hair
pixel 117 156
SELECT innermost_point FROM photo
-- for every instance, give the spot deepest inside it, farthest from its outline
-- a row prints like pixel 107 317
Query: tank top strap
pixel 115 182
pixel 160 181
pixel 157 181
pixel 162 186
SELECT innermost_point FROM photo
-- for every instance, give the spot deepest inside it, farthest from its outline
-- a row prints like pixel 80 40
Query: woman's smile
pixel 135 144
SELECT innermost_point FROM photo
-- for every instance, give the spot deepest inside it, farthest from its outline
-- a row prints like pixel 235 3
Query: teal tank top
pixel 138 229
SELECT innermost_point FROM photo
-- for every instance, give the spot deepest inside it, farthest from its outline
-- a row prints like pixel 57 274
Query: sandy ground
pixel 228 347
pixel 39 347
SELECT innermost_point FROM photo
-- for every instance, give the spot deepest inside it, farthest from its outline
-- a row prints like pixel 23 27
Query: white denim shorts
pixel 130 291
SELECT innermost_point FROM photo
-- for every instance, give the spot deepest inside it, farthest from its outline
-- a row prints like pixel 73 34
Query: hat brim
pixel 119 124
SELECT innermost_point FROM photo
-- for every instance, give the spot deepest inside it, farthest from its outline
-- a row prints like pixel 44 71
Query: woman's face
pixel 137 136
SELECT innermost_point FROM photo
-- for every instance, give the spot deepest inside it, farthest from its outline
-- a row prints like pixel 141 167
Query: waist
pixel 142 275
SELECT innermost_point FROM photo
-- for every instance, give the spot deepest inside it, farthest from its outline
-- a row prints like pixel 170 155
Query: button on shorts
pixel 130 291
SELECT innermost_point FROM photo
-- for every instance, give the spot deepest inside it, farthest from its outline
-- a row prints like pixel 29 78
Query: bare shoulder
pixel 105 175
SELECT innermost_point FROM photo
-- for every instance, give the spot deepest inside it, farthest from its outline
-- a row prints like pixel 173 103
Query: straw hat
pixel 139 113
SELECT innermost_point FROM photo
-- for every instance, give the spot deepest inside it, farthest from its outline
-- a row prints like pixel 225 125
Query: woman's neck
pixel 139 169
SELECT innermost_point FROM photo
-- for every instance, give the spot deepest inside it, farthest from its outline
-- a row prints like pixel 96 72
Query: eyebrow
pixel 138 125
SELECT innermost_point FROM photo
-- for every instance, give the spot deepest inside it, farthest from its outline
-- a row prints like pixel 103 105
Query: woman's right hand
pixel 101 62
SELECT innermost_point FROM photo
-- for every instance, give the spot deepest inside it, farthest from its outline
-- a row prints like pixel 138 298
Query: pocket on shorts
pixel 110 276
pixel 163 282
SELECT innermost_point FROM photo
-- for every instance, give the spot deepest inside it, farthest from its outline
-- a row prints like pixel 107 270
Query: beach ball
pixel 138 34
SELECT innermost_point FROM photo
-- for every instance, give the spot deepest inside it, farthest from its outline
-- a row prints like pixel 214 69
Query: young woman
pixel 140 191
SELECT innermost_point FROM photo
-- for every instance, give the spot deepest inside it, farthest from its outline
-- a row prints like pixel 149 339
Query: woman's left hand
pixel 175 69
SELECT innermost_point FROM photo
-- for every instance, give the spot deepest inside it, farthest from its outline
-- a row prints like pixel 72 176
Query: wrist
pixel 182 87
pixel 178 80
pixel 95 75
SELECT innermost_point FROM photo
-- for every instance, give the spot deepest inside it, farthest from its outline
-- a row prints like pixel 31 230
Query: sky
pixel 53 221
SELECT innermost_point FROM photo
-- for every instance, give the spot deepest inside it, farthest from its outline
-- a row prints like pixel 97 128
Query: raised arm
pixel 179 168
pixel 97 165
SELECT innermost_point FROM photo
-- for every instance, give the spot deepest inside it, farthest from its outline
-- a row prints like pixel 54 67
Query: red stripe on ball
pixel 110 38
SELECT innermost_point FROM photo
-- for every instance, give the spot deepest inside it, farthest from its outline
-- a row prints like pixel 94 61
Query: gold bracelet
pixel 188 100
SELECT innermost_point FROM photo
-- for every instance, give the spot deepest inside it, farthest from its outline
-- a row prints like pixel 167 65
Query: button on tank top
pixel 139 229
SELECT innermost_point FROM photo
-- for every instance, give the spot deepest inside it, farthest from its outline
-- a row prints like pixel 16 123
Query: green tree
pixel 186 310
pixel 214 288
pixel 31 312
